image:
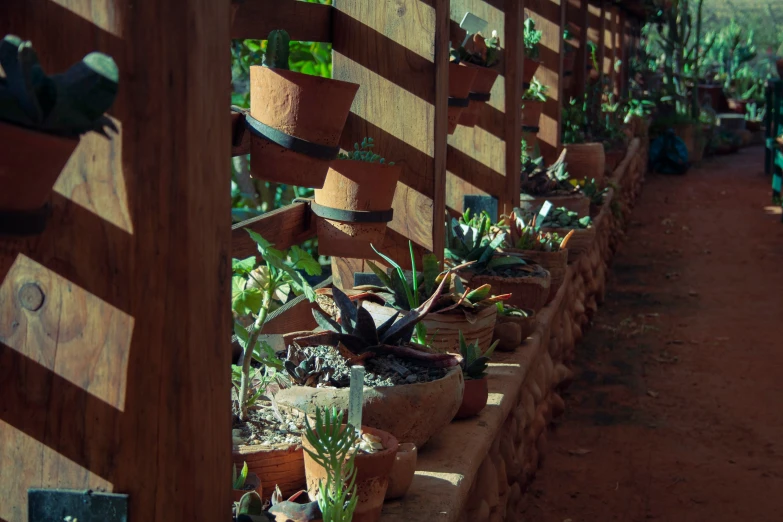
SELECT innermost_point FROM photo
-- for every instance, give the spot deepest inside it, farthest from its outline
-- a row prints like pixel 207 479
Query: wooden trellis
pixel 114 326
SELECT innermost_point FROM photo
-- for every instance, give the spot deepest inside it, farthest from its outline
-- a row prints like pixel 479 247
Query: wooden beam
pixel 514 60
pixel 304 21
pixel 283 227
pixel 118 378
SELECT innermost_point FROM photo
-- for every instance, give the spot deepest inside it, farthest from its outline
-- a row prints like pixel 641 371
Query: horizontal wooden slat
pixel 283 227
pixel 303 21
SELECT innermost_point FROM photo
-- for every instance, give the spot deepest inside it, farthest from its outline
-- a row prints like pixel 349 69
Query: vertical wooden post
pixel 577 13
pixel 398 53
pixel 115 376
pixel 550 17
pixel 514 62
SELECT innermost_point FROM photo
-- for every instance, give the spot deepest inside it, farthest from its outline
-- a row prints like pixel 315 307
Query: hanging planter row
pixel 41 121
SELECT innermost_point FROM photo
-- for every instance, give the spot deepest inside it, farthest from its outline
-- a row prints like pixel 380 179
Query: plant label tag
pixel 356 397
pixel 545 208
pixel 472 24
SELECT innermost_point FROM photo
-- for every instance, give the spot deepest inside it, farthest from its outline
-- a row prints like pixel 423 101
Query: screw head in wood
pixel 31 297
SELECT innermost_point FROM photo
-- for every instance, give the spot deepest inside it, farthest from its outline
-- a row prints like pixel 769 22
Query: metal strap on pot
pixel 568 73
pixel 24 222
pixel 479 96
pixel 459 102
pixel 352 216
pixel 530 128
pixel 292 143
pixel 525 85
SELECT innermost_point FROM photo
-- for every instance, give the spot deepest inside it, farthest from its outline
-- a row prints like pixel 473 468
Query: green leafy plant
pixel 334 449
pixel 481 51
pixel 277 50
pixel 591 189
pixel 363 152
pixel 754 113
pixel 574 122
pixel 563 218
pixel 512 311
pixel 68 104
pixel 474 363
pixel 537 180
pixel 536 92
pixel 253 290
pixel 356 332
pixel 637 108
pixel 526 236
pixel 472 238
pixel 532 37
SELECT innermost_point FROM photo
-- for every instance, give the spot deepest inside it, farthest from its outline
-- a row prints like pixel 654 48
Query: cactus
pixel 68 104
pixel 276 56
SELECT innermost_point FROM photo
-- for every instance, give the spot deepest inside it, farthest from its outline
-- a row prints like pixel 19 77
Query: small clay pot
pixel 531 113
pixel 530 292
pixel 281 465
pixel 30 165
pixel 308 107
pixel 460 82
pixel 445 328
pixel 403 470
pixel 586 161
pixel 475 398
pixel 482 84
pixel 372 475
pixel 531 66
pixel 510 331
pixel 556 263
pixel 355 185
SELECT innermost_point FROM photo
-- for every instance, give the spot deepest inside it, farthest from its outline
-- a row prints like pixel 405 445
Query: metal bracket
pixel 459 102
pixel 530 128
pixel 479 96
pixel 352 216
pixel 57 505
pixel 292 143
pixel 24 222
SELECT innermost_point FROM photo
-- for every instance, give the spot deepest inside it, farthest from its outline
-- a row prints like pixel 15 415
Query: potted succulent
pixel 461 77
pixel 41 120
pixel 294 133
pixel 594 193
pixel 480 54
pixel 533 100
pixel 585 156
pixel 552 183
pixel 456 309
pixel 474 367
pixel 403 470
pixel 754 117
pixel 474 239
pixel 410 391
pixel 347 469
pixel 265 436
pixel 243 481
pixel 547 249
pixel 354 205
pixel 513 327
pixel 562 222
pixel 532 37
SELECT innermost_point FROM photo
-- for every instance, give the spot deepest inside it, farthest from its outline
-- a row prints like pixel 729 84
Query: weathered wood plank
pixel 514 60
pixel 99 389
pixel 304 21
pixel 283 227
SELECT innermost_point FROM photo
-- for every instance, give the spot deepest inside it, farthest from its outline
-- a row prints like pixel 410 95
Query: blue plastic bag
pixel 668 154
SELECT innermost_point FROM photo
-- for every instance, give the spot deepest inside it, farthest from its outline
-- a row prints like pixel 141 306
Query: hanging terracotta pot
pixel 461 79
pixel 354 206
pixel 296 120
pixel 531 115
pixel 279 465
pixel 510 331
pixel 531 66
pixel 445 327
pixel 372 475
pixel 479 94
pixel 586 160
pixel 403 470
pixel 474 399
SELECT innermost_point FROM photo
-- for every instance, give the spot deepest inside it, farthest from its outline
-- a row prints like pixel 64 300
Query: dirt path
pixel 676 413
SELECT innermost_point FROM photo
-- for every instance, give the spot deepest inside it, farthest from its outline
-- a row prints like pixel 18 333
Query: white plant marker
pixel 545 208
pixel 356 398
pixel 472 24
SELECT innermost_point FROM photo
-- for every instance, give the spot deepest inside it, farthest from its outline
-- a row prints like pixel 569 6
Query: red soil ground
pixel 676 412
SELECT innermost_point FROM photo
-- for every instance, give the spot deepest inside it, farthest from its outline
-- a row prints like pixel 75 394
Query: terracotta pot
pixel 475 398
pixel 737 106
pixel 531 113
pixel 578 203
pixel 586 161
pixel 30 165
pixel 403 470
pixel 294 103
pixel 531 66
pixel 529 292
pixel 686 132
pixel 579 243
pixel 372 475
pixel 253 482
pixel 280 465
pixel 412 412
pixel 461 79
pixel 510 332
pixel 482 84
pixel 355 185
pixel 613 159
pixel 556 263
pixel 445 328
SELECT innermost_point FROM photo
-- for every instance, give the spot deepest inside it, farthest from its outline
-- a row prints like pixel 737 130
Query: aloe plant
pixel 277 50
pixel 472 238
pixel 474 363
pixel 537 180
pixel 526 236
pixel 68 104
